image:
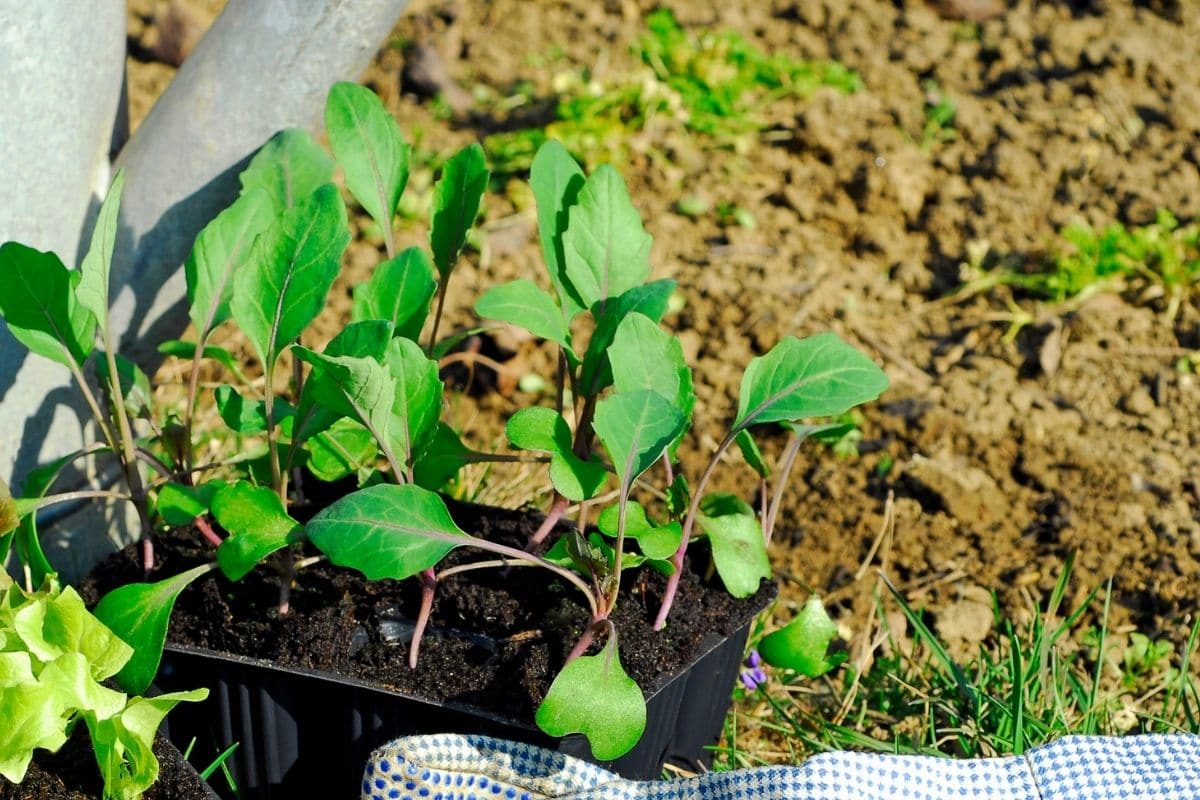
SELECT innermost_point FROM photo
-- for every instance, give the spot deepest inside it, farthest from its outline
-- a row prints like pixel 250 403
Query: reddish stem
pixel 207 532
pixel 585 641
pixel 429 584
pixel 557 509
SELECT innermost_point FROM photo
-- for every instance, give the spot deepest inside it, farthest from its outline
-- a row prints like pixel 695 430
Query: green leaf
pixel 69 675
pixel 187 350
pixel 347 448
pixel 294 262
pixel 444 456
pixel 28 542
pixel 523 304
pixel 139 613
pixel 456 204
pixel 37 301
pixel 93 288
pixel 248 416
pixel 349 386
pixel 544 430
pixel 365 339
pixel 417 403
pixel 556 179
pixel 258 526
pixel 636 428
pixel 540 429
pixel 368 145
pixel 751 453
pixel 386 531
pixel 738 548
pixel 223 249
pixel 606 250
pixel 135 385
pixel 644 356
pixel 33 719
pixel 289 167
pixel 803 644
pixel 399 291
pixel 650 300
pixel 655 541
pixel 575 478
pixel 819 376
pixel 593 696
pixel 179 505
pixel 123 743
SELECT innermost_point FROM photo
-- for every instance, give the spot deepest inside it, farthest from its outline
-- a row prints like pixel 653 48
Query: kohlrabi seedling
pixel 631 406
pixel 54 661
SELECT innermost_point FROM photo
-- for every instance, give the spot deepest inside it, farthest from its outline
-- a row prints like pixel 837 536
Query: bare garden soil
pixel 496 639
pixel 1004 457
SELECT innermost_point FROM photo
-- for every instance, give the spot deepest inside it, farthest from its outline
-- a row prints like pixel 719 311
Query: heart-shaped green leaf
pixel 386 531
pixel 139 613
pixel 38 303
pixel 543 430
pixel 289 167
pixel 258 526
pixel 221 250
pixel 283 286
pixel 606 250
pixel 368 145
pixel 655 541
pixel 803 644
pixel 399 291
pixel 456 204
pixel 593 696
pixel 819 376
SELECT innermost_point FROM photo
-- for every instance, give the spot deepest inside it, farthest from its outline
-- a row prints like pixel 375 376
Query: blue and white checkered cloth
pixel 452 767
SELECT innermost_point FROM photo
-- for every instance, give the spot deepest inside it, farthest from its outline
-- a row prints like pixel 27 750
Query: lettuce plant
pixel 54 658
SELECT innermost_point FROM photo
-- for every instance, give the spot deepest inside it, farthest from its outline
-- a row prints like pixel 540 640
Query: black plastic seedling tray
pixel 304 733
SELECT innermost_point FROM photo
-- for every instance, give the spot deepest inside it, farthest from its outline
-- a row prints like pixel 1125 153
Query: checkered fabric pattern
pixel 452 767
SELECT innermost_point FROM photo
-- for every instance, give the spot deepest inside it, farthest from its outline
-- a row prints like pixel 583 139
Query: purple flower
pixel 754 675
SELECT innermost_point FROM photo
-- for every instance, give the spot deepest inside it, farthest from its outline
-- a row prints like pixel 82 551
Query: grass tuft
pixel 1029 683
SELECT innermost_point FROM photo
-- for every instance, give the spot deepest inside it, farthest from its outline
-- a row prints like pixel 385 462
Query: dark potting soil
pixel 71 774
pixel 496 638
